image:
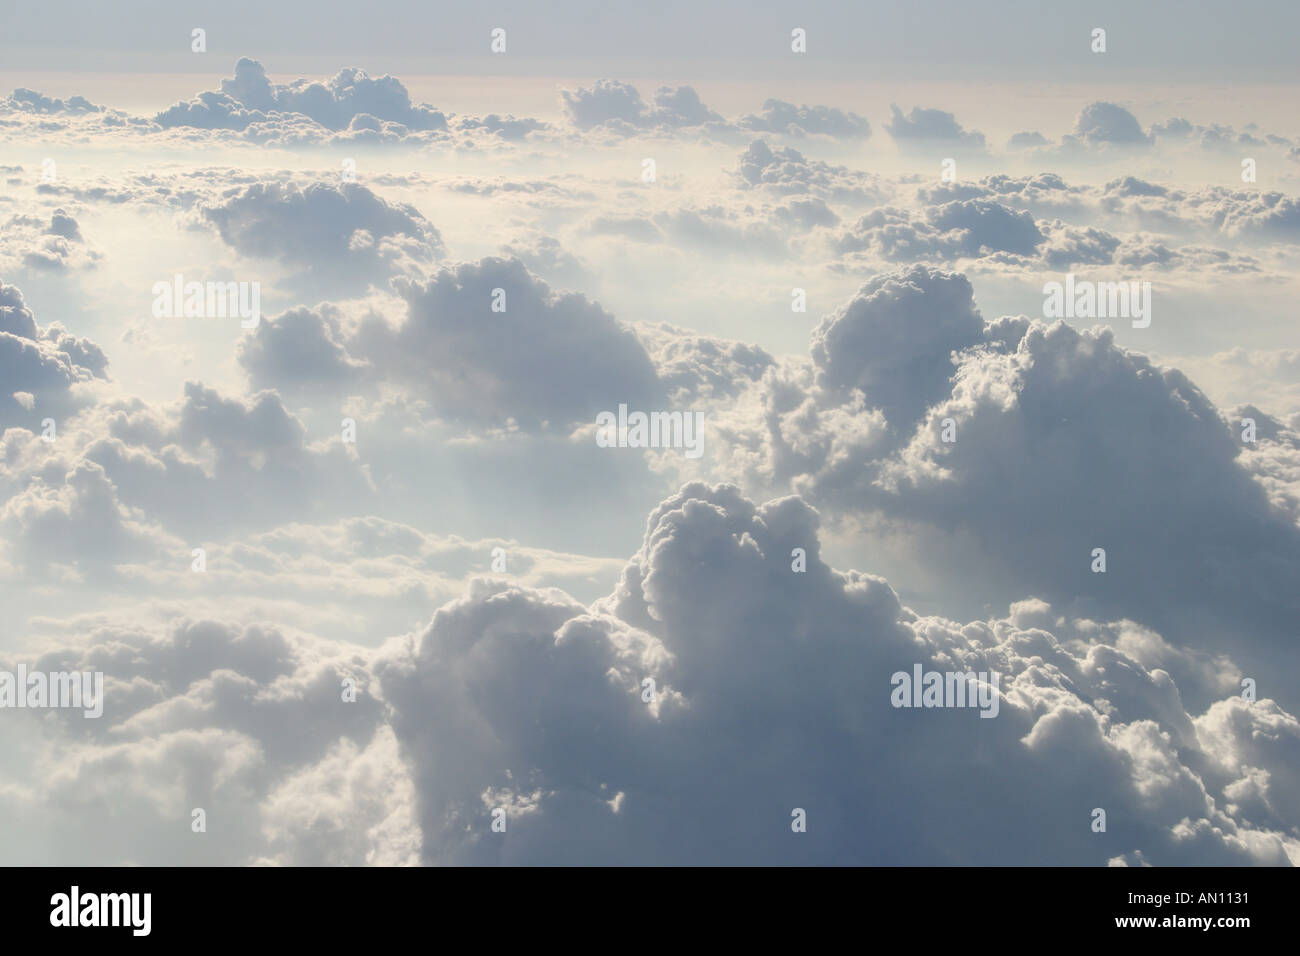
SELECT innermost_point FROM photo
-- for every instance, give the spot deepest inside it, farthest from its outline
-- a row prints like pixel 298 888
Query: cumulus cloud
pixel 1027 140
pixel 253 723
pixel 350 100
pixel 618 106
pixel 30 101
pixel 1102 122
pixel 1214 136
pixel 79 523
pixel 1040 221
pixel 45 245
pixel 507 127
pixel 42 371
pixel 894 340
pixel 786 171
pixel 473 364
pixel 330 231
pixel 236 720
pixel 545 256
pixel 787 119
pixel 1064 443
pixel 930 126
pixel 210 463
pixel 699 367
pixel 784 678
pixel 978 461
pixel 958 229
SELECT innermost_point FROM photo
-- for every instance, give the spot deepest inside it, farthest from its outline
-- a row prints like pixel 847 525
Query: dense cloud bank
pixel 772 692
pixel 368 583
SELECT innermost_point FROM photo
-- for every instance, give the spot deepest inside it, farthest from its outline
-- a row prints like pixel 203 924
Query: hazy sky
pixel 1028 41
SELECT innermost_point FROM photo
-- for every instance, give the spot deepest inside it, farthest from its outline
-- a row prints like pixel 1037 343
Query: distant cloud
pixel 1102 122
pixel 332 231
pixel 41 369
pixel 30 101
pixel 1024 476
pixel 250 98
pixel 957 229
pixel 786 171
pixel 1027 140
pixel 472 364
pixel 787 119
pixel 45 245
pixel 619 106
pixel 709 609
pixel 931 125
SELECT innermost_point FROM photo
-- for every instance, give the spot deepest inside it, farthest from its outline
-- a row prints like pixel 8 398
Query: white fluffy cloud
pixel 42 371
pixel 45 244
pixel 332 232
pixel 783 680
pixel 618 106
pixel 351 100
pixel 394 481
pixel 922 125
pixel 1064 443
pixel 471 363
pixel 785 171
pixel 526 700
pixel 784 118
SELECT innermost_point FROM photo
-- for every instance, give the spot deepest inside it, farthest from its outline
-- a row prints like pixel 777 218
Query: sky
pixel 370 578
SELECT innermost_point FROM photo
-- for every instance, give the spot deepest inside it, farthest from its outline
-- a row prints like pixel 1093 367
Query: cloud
pixel 1102 122
pixel 79 524
pixel 43 371
pixel 349 100
pixel 545 256
pixel 1273 458
pixel 606 101
pixel 787 119
pixel 930 125
pixel 1027 140
pixel 1040 193
pixel 549 357
pixel 322 226
pixel 223 717
pixel 994 220
pixel 786 171
pixel 785 679
pixel 893 341
pixel 30 101
pixel 695 367
pixel 958 229
pixel 618 106
pixel 1215 136
pixel 479 688
pixel 507 127
pixel 1064 443
pixel 681 106
pixel 211 464
pixel 45 245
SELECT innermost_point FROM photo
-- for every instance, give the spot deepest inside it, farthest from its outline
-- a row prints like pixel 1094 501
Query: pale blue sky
pixel 1021 39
